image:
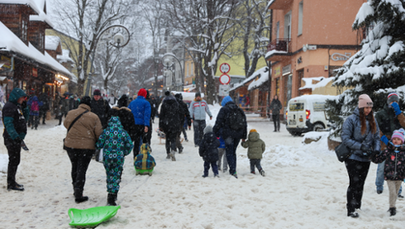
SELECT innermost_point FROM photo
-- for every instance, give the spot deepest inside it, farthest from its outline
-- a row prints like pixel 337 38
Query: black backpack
pixel 236 118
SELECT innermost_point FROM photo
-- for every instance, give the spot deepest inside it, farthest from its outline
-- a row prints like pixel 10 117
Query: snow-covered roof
pixel 264 77
pixel 316 97
pixel 52 42
pixel 65 57
pixel 270 2
pixel 30 3
pixel 11 42
pixel 268 54
pixel 42 16
pixel 320 82
pixel 256 73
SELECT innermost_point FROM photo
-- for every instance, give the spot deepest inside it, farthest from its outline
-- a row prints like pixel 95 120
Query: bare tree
pixel 207 26
pixel 85 20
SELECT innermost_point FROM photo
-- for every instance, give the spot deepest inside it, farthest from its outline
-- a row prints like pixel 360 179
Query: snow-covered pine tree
pixel 378 68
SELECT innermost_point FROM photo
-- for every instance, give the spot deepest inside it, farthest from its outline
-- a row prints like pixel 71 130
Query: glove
pixel 396 108
pixel 365 148
pixel 373 153
pixel 384 139
pixel 22 136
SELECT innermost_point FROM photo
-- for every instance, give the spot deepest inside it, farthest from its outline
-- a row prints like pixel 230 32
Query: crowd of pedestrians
pixel 92 124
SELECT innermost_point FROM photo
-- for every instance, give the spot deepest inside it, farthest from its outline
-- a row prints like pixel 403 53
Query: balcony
pixel 278 50
pixel 279 4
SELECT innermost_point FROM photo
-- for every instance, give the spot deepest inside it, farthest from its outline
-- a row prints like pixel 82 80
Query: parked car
pixel 307 113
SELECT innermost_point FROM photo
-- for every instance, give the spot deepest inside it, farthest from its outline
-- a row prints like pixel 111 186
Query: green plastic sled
pixel 91 217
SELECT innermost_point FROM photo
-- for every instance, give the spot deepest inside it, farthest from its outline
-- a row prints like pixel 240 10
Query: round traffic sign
pixel 224 79
pixel 224 68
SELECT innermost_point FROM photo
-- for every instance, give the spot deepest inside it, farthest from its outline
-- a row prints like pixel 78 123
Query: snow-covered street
pixel 304 187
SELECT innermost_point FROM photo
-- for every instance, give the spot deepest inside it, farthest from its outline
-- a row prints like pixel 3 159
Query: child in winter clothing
pixel 209 151
pixel 256 147
pixel 116 144
pixel 144 162
pixel 394 169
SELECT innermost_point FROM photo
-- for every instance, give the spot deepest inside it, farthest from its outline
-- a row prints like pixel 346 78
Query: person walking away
pixel 256 148
pixel 222 155
pixel 394 169
pixel 360 133
pixel 43 98
pixel 80 143
pixel 34 112
pixel 184 115
pixel 275 108
pixel 148 136
pixel 15 115
pixel 64 107
pixel 100 107
pixel 231 120
pixel 169 123
pixel 209 151
pixel 144 162
pixel 198 108
pixel 390 118
pixel 141 111
pixel 116 144
pixel 125 114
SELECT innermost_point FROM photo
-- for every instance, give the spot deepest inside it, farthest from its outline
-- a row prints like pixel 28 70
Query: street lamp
pixel 119 37
pixel 167 60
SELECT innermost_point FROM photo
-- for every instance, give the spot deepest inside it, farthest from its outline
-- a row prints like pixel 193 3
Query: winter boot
pixel 112 197
pixel 172 155
pixel 393 211
pixel 262 172
pixel 79 196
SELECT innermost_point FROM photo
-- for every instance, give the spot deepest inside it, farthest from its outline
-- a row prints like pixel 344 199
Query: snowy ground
pixel 305 187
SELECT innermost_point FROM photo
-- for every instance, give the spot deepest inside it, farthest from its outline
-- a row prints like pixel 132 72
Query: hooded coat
pixel 255 145
pixel 34 105
pixel 221 122
pixel 15 116
pixel 125 115
pixel 209 145
pixel 394 157
pixel 85 131
pixel 144 161
pixel 170 114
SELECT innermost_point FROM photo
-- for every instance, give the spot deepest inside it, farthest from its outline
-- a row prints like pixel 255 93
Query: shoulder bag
pixel 343 152
pixel 71 124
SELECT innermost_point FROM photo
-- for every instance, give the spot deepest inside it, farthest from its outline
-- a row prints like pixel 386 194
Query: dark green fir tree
pixel 378 68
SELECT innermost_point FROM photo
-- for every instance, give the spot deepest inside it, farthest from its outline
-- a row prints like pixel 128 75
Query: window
pixel 300 16
pixel 287 25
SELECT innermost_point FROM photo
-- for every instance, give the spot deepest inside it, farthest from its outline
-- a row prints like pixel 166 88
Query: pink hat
pixel 365 101
pixel 398 134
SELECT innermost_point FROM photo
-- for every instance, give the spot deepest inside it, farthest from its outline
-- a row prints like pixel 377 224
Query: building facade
pixel 309 39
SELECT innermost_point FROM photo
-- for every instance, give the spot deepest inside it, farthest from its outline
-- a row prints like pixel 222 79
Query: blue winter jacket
pixel 352 137
pixel 222 128
pixel 141 110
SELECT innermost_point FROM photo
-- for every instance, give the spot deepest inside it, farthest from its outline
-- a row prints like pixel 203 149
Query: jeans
pixel 14 157
pixel 379 180
pixel 255 163
pixel 357 172
pixel 207 167
pixel 80 159
pixel 222 155
pixel 199 126
pixel 230 145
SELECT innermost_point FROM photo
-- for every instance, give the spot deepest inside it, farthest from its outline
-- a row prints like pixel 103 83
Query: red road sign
pixel 224 79
pixel 224 68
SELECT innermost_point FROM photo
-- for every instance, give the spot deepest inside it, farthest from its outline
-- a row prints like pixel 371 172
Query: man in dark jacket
pixel 100 107
pixel 275 108
pixel 183 115
pixel 169 123
pixel 125 114
pixel 231 136
pixel 15 116
pixel 389 119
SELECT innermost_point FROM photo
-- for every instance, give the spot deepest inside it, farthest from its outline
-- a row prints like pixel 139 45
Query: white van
pixel 307 113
